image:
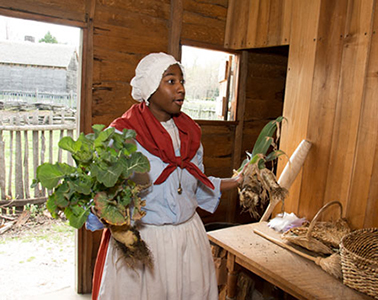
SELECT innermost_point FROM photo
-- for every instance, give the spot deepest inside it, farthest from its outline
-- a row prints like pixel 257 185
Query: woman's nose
pixel 181 88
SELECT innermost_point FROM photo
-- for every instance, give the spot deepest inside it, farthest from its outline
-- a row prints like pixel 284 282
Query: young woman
pixel 182 262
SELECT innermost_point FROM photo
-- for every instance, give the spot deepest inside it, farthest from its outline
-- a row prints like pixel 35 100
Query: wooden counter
pixel 293 274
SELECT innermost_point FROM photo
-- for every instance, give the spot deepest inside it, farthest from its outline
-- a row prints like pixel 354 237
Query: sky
pixel 16 29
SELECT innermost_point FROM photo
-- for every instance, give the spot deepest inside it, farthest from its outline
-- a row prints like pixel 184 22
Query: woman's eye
pixel 171 81
pixel 182 82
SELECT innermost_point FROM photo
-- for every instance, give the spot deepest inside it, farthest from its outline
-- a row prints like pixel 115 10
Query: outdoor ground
pixel 36 258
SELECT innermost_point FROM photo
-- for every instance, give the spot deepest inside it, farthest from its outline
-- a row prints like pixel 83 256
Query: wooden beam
pixel 41 18
pixel 86 244
pixel 175 27
pixel 241 88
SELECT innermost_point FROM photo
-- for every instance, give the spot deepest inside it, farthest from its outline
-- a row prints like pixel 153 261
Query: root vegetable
pixel 129 241
pixel 258 187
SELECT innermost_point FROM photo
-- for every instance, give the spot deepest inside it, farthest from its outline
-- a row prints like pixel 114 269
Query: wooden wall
pixel 258 23
pixel 116 35
pixel 330 99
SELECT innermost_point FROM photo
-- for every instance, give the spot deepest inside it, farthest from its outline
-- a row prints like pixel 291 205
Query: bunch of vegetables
pixel 100 182
pixel 260 184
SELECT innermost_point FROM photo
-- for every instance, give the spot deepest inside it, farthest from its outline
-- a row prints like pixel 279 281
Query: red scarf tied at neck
pixel 156 140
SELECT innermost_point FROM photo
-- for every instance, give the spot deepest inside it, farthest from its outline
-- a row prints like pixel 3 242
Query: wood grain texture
pixel 326 80
pixel 201 28
pixel 363 204
pixel 119 9
pixel 73 10
pixel 296 275
pixel 237 24
pixel 175 27
pixel 305 16
pixel 349 104
pixel 258 23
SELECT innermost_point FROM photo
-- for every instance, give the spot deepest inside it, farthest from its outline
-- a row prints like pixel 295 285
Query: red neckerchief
pixel 156 140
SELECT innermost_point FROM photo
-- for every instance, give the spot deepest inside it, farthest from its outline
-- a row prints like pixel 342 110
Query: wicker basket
pixel 319 237
pixel 359 260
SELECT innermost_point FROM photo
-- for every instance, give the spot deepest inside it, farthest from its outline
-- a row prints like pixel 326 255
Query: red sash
pixel 156 140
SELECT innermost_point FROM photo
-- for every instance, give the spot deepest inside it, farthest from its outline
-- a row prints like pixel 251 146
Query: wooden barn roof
pixel 36 54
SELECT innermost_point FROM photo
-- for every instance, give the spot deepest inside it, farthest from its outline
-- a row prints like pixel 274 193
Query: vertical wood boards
pixel 325 87
pixel 237 151
pixel 300 72
pixel 175 26
pixel 333 107
pixel 84 239
pixel 363 205
pixel 258 23
pixel 349 104
pixel 237 24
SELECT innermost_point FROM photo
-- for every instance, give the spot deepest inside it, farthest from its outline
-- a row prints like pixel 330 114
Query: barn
pixel 28 67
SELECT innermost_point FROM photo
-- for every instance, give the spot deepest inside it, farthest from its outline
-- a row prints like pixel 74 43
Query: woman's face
pixel 169 97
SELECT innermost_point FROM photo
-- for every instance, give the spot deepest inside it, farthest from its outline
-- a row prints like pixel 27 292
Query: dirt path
pixel 36 258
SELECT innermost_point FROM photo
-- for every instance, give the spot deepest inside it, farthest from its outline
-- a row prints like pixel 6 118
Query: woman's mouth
pixel 179 102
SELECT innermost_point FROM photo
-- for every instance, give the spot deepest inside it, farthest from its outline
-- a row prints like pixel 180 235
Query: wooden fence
pixel 26 141
pixel 63 99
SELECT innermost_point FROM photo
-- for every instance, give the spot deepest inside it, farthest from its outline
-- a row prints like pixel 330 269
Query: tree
pixel 48 38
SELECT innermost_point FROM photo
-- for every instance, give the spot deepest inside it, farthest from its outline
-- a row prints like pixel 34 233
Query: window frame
pixel 235 86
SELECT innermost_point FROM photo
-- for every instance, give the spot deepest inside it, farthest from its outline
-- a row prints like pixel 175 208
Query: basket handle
pixel 313 222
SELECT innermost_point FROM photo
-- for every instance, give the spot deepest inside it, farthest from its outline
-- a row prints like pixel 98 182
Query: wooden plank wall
pixel 264 89
pixel 330 96
pixel 258 23
pixel 330 101
pixel 116 35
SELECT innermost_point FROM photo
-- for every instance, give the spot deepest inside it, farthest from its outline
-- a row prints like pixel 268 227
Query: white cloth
pixel 149 73
pixel 183 266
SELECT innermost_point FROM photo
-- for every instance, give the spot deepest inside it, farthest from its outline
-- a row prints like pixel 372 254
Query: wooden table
pixel 293 274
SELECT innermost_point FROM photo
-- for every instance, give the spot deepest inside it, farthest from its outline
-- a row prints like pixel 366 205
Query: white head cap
pixel 149 73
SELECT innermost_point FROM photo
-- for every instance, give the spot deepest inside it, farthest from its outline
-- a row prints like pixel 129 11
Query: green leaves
pixel 105 160
pixel 265 138
pixel 49 175
pixel 110 210
pixel 264 141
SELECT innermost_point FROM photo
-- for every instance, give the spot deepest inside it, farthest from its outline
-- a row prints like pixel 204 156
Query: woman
pixel 171 140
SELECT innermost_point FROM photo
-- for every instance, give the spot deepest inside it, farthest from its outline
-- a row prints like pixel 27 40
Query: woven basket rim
pixel 346 238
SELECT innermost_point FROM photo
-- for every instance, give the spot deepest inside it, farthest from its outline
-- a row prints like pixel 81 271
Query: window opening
pixel 211 81
pixel 39 96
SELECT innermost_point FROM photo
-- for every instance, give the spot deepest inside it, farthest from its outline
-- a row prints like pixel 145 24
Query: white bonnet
pixel 148 74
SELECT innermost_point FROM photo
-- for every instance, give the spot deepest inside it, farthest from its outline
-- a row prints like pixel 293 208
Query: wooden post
pixel 26 165
pixel 232 277
pixel 175 27
pixel 10 164
pixel 35 154
pixel 242 74
pixel 87 242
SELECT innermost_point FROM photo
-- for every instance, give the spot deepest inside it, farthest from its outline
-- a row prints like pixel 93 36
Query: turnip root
pixel 128 239
pixel 260 185
pixel 257 188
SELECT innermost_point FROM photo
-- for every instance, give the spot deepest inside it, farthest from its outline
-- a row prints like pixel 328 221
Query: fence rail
pixel 30 97
pixel 26 141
